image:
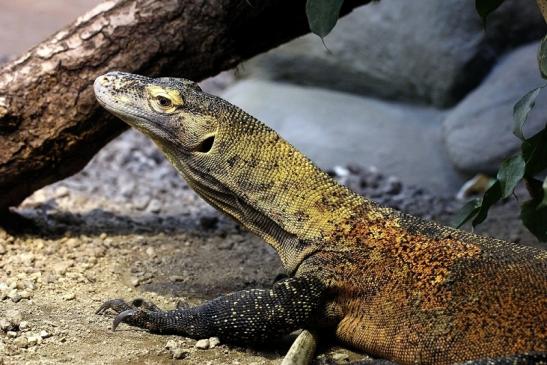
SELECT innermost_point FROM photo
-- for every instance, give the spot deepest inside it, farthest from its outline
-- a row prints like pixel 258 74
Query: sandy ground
pixel 127 226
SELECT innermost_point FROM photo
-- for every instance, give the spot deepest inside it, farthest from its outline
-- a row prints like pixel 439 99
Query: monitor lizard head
pixel 235 162
pixel 173 112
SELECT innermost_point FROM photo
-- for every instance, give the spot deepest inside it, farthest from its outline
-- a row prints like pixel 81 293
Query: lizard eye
pixel 163 101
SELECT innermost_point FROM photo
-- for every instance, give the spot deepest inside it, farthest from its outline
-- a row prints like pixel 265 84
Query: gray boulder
pixel 478 132
pixel 429 51
pixel 335 128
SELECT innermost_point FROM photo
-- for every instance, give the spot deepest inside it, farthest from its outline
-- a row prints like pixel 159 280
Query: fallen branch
pixel 50 125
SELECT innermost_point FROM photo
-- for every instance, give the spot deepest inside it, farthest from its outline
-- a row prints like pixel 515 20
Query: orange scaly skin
pixel 414 291
pixel 386 283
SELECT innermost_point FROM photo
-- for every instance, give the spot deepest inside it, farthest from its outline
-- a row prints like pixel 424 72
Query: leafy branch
pixel 323 15
pixel 525 166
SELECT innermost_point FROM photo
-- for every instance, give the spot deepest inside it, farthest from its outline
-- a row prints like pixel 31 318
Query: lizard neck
pixel 273 190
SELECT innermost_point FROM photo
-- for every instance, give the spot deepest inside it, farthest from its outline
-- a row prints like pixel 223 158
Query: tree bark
pixel 50 123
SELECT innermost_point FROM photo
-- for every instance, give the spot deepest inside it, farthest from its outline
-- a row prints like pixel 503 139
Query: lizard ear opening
pixel 206 145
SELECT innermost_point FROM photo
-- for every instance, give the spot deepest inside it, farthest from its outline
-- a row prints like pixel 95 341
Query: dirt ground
pixel 127 226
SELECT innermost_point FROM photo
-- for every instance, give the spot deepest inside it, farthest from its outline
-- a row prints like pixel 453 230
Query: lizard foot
pixel 138 313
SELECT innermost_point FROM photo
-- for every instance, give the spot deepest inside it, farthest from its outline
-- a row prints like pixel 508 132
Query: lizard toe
pixel 143 304
pixel 122 317
pixel 117 305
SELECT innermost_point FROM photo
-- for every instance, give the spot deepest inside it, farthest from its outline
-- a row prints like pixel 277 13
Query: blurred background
pixel 405 102
pixel 421 91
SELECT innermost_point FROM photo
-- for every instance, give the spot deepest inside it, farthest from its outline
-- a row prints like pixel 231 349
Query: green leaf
pixel 510 173
pixel 466 213
pixel 521 110
pixel 491 196
pixel 534 152
pixel 535 219
pixel 485 7
pixel 323 15
pixel 542 58
pixel 543 203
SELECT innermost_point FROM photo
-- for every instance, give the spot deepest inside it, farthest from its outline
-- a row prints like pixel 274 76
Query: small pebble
pixel 341 171
pixel 171 344
pixel 44 334
pixel 14 317
pixel 179 353
pixel 394 186
pixel 34 339
pixel 134 281
pixel 150 251
pixel 60 268
pixel 340 356
pixel 69 296
pixel 61 191
pixel 11 334
pixel 5 325
pixel 24 325
pixel 21 342
pixel 50 278
pixel 15 296
pixel 72 243
pixel 154 206
pixel 214 342
pixel 25 294
pixel 2 250
pixel 140 202
pixel 202 344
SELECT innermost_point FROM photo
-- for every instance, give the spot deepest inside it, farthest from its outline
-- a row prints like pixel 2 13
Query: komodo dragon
pixel 384 282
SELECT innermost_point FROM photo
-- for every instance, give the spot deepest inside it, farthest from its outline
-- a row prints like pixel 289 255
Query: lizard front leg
pixel 247 316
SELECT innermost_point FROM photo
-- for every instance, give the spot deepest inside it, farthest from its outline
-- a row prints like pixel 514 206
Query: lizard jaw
pixel 118 106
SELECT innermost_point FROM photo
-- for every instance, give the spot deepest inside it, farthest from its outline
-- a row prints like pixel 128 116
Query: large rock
pixel 478 131
pixel 424 50
pixel 335 128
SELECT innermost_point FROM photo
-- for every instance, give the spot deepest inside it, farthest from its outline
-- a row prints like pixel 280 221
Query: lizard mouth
pixel 108 94
pixel 105 87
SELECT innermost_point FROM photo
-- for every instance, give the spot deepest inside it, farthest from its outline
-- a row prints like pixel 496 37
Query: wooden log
pixel 50 123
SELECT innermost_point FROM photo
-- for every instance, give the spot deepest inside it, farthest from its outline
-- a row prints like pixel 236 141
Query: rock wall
pixel 478 131
pixel 426 51
pixel 420 89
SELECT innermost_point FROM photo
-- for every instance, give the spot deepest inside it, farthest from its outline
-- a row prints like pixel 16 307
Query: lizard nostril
pixel 103 81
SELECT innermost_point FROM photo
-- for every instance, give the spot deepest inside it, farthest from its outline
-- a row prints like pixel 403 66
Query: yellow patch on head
pixel 124 98
pixel 164 100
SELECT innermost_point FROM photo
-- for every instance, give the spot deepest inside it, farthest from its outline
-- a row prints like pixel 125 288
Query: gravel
pixel 202 344
pixel 128 226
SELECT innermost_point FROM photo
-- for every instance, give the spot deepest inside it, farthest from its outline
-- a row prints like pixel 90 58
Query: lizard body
pixel 390 284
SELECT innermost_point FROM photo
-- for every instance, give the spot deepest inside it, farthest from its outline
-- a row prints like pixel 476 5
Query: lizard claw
pixel 121 318
pixel 118 305
pixel 137 313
